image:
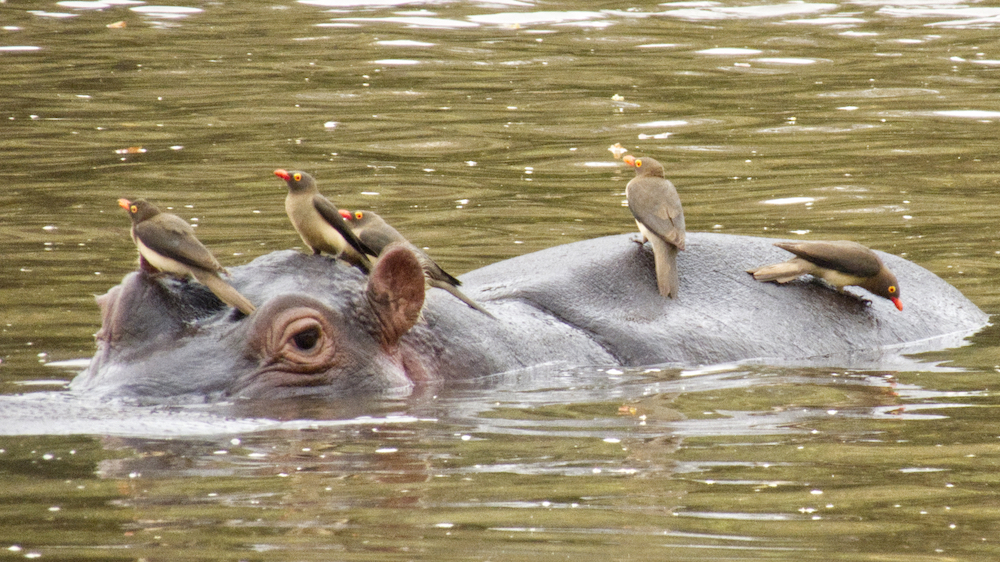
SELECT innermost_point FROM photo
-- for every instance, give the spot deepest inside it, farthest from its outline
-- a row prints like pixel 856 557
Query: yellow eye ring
pixel 297 177
pixel 892 289
pixel 133 209
pixel 638 163
pixel 358 215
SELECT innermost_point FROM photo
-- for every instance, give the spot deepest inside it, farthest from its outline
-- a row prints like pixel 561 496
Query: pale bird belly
pixel 161 262
pixel 646 234
pixel 316 232
pixel 837 278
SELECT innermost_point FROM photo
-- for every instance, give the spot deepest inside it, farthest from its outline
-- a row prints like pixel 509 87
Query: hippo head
pixel 321 327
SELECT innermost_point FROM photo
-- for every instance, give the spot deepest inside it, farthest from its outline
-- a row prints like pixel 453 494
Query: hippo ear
pixel 396 291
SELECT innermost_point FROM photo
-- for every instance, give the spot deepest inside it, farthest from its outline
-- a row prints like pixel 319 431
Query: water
pixel 481 131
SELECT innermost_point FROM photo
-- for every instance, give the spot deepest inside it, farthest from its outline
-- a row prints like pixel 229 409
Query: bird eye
pixel 892 289
pixel 358 215
pixel 638 163
pixel 133 209
pixel 297 177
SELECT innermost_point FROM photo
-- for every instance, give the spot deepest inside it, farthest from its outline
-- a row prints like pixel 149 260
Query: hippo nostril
pixel 307 339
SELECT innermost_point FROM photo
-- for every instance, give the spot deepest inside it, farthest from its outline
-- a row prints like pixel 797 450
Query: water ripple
pixel 415 22
pixel 969 114
pixel 96 4
pixel 535 18
pixel 362 3
pixel 748 12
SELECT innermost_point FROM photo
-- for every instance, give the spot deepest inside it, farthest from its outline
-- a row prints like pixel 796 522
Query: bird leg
pixel 147 267
pixel 843 290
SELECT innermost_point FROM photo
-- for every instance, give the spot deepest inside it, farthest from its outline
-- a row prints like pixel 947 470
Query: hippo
pixel 323 327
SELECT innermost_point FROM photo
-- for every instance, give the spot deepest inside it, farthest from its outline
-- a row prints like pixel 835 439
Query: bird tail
pixel 433 271
pixel 458 295
pixel 665 258
pixel 226 292
pixel 781 272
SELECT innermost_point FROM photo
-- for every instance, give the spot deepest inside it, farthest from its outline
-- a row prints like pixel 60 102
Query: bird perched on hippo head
pixel 378 235
pixel 319 223
pixel 167 244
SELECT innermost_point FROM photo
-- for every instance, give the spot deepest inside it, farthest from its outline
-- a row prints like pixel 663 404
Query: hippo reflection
pixel 324 327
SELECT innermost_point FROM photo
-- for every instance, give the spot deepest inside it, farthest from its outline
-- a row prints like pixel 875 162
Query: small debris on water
pixel 617 150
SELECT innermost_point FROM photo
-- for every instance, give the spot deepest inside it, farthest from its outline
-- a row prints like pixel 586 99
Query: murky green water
pixel 481 130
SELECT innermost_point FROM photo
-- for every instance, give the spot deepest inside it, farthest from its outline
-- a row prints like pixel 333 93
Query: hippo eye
pixel 892 289
pixel 294 334
pixel 302 337
pixel 307 339
pixel 297 177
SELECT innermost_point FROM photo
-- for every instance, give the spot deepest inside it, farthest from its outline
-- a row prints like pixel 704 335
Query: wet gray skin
pixel 322 327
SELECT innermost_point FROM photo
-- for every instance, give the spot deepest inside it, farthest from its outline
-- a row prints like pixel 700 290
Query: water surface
pixel 481 130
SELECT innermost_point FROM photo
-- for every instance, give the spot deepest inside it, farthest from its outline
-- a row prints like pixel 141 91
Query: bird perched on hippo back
pixel 656 207
pixel 319 223
pixel 377 234
pixel 167 243
pixel 840 263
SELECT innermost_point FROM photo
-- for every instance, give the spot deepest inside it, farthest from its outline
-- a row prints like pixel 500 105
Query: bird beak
pixel 898 303
pixel 283 174
pixel 345 213
pixel 124 203
pixel 629 159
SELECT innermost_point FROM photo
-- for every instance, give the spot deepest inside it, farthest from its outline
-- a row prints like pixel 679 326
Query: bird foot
pixel 236 315
pixel 863 300
pixel 156 275
pixel 147 267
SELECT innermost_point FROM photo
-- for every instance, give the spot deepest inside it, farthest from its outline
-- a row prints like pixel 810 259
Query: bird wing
pixel 378 234
pixel 377 237
pixel 435 271
pixel 331 215
pixel 654 202
pixel 172 237
pixel 841 255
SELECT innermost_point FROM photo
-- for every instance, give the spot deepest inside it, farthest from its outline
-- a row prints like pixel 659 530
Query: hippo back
pixel 607 287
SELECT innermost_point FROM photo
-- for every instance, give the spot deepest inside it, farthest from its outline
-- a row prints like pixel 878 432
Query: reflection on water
pixel 654 458
pixel 480 129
